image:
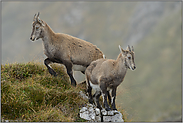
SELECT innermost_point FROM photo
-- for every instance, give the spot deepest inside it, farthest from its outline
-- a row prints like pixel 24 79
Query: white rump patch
pixel 78 68
pixel 95 87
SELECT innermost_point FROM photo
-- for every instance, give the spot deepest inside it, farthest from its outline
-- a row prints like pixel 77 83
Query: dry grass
pixel 30 93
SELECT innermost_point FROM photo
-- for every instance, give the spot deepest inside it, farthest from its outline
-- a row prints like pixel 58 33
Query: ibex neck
pixel 121 66
pixel 120 59
pixel 48 33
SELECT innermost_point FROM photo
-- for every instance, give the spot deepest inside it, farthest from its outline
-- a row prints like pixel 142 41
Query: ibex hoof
pixel 114 109
pixel 73 84
pixel 55 75
pixel 107 109
pixel 90 101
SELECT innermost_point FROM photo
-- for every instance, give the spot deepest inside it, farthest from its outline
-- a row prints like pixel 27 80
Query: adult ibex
pixel 104 75
pixel 61 48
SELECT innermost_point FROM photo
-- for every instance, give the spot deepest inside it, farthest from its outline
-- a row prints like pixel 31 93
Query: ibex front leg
pixel 47 61
pixel 113 105
pixel 104 95
pixel 89 91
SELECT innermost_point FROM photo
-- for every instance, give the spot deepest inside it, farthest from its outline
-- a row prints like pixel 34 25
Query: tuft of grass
pixel 29 93
pixel 21 71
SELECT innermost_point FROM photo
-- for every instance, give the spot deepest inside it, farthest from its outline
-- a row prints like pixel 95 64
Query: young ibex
pixel 61 48
pixel 104 75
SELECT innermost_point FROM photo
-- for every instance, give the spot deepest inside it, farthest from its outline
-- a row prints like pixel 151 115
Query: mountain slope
pixel 29 93
pixel 150 93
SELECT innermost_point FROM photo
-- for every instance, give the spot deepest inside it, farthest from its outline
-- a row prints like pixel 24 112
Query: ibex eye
pixel 37 28
pixel 129 58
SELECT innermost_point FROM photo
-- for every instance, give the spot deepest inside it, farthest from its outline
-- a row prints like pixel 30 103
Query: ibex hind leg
pixel 109 97
pixel 70 73
pixel 113 105
pixel 73 81
pixel 47 61
pixel 89 91
pixel 96 99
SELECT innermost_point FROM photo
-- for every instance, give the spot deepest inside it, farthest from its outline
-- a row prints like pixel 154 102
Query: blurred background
pixel 150 93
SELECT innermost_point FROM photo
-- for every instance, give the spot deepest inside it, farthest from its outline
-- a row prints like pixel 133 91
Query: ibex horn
pixel 132 49
pixel 34 15
pixel 120 48
pixel 129 48
pixel 37 14
pixel 34 19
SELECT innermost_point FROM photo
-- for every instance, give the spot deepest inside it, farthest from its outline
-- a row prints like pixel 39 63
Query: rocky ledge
pixel 93 114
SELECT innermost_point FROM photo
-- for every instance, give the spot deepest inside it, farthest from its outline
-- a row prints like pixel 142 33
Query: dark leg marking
pixel 89 90
pixel 113 105
pixel 47 61
pixel 68 66
pixel 83 72
pixel 104 94
pixel 109 97
pixel 96 98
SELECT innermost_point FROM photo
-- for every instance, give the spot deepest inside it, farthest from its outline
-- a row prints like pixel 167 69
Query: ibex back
pixel 104 75
pixel 61 48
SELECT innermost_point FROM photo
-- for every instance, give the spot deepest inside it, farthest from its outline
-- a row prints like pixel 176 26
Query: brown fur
pixel 108 70
pixel 107 74
pixel 70 48
pixel 64 48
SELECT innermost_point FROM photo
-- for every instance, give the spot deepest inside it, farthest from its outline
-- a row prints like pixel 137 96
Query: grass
pixel 29 93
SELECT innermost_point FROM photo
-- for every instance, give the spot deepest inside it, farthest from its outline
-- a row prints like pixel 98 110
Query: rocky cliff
pixel 91 113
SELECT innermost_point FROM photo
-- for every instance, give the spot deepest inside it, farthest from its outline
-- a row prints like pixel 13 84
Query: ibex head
pixel 128 56
pixel 37 28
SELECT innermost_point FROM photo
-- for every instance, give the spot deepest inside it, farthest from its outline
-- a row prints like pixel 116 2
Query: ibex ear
pixel 37 14
pixel 121 50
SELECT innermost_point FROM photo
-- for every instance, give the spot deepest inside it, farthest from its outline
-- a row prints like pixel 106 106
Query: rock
pixel 114 118
pixel 97 111
pixel 110 113
pixel 93 114
pixel 104 112
pixel 97 118
pixel 87 113
pixel 83 109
